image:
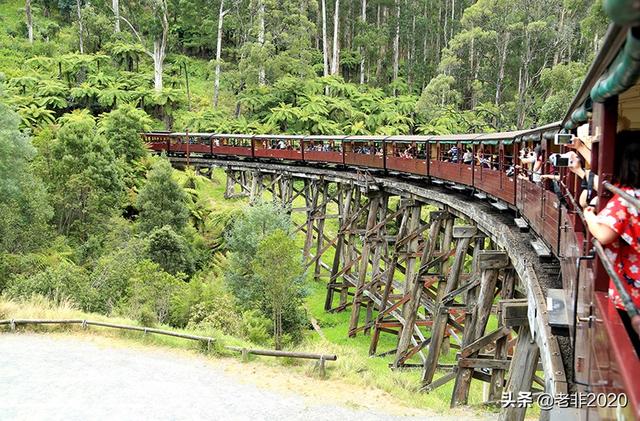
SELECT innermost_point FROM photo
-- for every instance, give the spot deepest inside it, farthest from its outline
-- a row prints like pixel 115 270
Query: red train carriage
pixel 157 141
pixel 538 201
pixel 287 147
pixel 323 149
pixel 232 145
pixel 407 154
pixel 607 103
pixel 446 158
pixel 494 165
pixel 364 151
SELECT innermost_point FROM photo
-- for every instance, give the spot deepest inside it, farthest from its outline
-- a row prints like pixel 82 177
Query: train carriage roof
pixel 375 138
pixel 455 138
pixel 280 136
pixel 338 137
pixel 232 135
pixel 409 138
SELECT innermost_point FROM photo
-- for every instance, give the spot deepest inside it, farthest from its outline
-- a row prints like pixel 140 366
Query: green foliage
pixel 23 201
pixel 170 250
pixel 61 282
pixel 205 303
pixel 149 294
pixel 161 200
pixel 248 230
pixel 122 128
pixel 278 269
pixel 85 181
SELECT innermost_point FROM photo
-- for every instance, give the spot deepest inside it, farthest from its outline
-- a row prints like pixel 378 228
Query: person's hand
pixel 575 144
pixel 635 322
pixel 589 213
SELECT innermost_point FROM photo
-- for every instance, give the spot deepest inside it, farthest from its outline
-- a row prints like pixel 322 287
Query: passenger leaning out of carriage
pixel 533 160
pixel 617 227
pixel 589 179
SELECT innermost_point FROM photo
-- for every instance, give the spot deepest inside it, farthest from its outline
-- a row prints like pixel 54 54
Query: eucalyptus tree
pixel 29 17
pixel 148 20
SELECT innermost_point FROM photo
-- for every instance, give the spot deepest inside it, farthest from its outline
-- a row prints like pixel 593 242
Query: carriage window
pixel 368 147
pixel 409 150
pixel 322 146
pixel 449 152
pixel 508 165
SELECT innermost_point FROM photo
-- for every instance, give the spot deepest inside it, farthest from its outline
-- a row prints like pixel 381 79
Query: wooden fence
pixel 321 358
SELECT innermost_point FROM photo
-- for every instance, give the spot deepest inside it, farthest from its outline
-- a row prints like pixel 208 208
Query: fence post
pixel 321 367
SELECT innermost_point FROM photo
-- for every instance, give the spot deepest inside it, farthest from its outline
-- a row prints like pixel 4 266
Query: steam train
pixel 486 166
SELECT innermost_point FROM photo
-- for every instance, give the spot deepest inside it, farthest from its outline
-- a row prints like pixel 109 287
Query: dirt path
pixel 56 377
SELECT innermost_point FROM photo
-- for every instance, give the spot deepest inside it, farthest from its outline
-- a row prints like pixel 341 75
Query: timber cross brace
pixel 437 282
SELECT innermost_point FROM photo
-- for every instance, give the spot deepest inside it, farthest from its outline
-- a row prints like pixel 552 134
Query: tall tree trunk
pixel 261 72
pixel 438 33
pixel 335 64
pixel 115 5
pixel 216 83
pixel 383 50
pixel 503 60
pixel 453 17
pixel 27 11
pixel 560 41
pixel 160 48
pixel 445 41
pixel 396 46
pixel 363 16
pixel 80 28
pixel 325 41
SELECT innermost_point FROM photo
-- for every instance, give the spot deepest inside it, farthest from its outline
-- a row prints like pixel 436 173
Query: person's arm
pixel 602 232
pixel 582 147
pixel 610 223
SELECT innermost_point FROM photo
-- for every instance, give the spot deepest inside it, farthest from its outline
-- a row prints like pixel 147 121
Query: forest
pixel 90 218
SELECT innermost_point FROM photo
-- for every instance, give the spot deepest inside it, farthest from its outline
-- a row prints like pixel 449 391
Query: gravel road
pixel 66 378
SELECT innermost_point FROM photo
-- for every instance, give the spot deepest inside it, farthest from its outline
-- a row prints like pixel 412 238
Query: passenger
pixel 467 157
pixel 453 153
pixel 534 161
pixel 281 144
pixel 410 152
pixel 617 227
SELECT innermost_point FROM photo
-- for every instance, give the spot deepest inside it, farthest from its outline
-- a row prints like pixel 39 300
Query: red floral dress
pixel 625 251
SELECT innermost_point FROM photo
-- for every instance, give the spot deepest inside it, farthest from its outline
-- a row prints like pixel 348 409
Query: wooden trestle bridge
pixel 426 265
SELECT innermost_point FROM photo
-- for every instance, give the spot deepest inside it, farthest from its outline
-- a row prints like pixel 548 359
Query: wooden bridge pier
pixel 405 268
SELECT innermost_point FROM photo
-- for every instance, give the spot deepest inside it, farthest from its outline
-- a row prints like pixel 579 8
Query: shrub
pixel 149 294
pixel 64 281
pixel 170 250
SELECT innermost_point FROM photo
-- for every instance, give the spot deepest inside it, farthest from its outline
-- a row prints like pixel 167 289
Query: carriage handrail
pixel 626 196
pixel 629 307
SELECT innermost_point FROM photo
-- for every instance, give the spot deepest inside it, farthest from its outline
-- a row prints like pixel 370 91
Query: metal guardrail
pixel 322 358
pixel 626 196
pixel 629 307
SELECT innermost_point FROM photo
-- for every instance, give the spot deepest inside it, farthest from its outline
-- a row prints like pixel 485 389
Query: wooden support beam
pixel 483 363
pixel 374 203
pixel 523 367
pixel 439 382
pixel 437 337
pixel 413 286
pixel 319 215
pixel 480 343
